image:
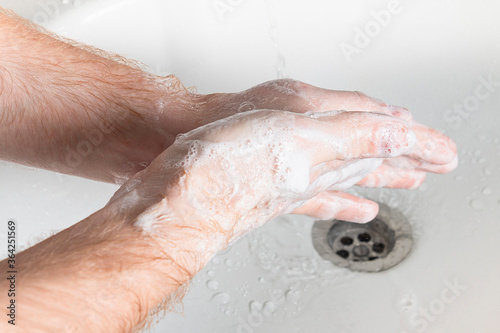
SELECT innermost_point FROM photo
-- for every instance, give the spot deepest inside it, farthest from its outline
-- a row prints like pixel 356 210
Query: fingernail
pixel 396 139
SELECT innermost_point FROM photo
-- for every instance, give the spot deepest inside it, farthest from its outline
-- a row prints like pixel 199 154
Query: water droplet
pixel 487 190
pixel 221 298
pixel 212 284
pixel 487 171
pixel 255 307
pixel 228 262
pixel 477 204
pixel 211 273
pixel 268 309
pixel 262 280
pixel 216 260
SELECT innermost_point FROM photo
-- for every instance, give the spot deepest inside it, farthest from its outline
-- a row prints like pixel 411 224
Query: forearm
pixel 77 110
pixel 103 274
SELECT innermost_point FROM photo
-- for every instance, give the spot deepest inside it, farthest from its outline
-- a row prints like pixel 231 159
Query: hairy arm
pixel 101 275
pixel 75 109
pixel 79 110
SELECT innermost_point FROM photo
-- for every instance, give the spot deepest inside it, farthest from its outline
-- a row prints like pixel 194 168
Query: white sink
pixel 435 58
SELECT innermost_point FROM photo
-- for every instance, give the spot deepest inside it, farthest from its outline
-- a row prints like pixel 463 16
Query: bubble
pixel 309 266
pixel 212 284
pixel 246 106
pixel 229 262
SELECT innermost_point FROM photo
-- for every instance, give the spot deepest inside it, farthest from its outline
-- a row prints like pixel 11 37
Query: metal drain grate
pixel 372 247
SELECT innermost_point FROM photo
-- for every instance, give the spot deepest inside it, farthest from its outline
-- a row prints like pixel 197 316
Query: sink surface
pixel 439 59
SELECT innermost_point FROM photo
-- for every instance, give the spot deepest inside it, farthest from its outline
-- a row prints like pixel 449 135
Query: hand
pixel 433 151
pixel 233 175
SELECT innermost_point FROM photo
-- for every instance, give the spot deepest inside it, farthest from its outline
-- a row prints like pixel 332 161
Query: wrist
pixel 156 205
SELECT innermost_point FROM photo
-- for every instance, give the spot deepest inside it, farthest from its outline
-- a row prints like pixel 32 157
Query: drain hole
pixel 343 253
pixel 371 247
pixel 364 237
pixel 346 240
pixel 378 247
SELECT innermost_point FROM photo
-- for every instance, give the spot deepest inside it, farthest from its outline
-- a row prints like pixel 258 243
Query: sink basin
pixel 439 59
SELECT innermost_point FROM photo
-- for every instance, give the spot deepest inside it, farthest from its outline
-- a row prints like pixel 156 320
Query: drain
pixel 372 247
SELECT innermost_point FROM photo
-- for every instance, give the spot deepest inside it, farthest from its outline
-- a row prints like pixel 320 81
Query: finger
pixel 387 176
pixel 341 175
pixel 299 97
pixel 432 146
pixel 348 135
pixel 408 163
pixel 339 205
